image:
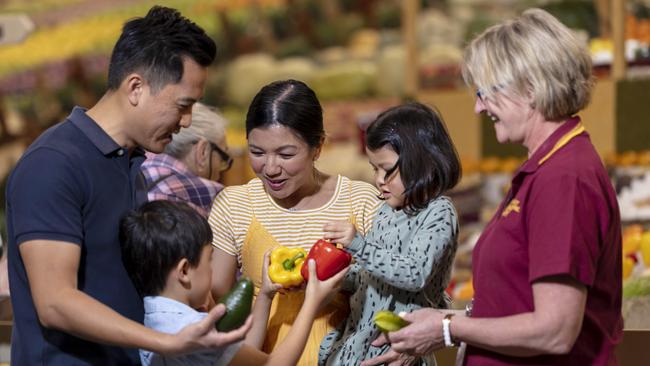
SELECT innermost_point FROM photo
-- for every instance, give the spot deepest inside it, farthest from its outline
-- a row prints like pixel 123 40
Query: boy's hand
pixel 322 291
pixel 340 231
pixel 204 335
pixel 268 288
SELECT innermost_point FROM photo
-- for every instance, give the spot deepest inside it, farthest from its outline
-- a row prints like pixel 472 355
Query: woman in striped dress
pixel 287 204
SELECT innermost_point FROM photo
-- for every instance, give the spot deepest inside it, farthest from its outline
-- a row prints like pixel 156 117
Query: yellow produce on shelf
pixel 96 34
pixel 628 266
pixel 632 239
pixel 644 247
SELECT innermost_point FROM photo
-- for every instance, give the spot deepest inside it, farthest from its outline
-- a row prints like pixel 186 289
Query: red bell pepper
pixel 330 260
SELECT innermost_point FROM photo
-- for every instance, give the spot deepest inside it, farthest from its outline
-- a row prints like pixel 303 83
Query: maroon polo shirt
pixel 560 217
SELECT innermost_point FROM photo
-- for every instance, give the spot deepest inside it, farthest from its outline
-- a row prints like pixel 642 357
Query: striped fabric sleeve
pixel 365 204
pixel 220 219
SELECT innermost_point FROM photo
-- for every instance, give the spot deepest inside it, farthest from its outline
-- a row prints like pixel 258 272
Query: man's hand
pixel 203 334
pixel 339 231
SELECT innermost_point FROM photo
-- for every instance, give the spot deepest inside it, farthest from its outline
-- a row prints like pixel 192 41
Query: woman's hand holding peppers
pixel 285 266
pixel 340 231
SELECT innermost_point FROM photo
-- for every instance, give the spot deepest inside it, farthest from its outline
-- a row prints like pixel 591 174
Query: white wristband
pixel 446 333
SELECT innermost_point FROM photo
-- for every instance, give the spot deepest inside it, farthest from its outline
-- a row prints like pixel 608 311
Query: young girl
pixel 405 261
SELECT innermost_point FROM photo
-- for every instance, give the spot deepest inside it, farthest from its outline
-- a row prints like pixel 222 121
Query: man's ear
pixel 182 272
pixel 202 151
pixel 134 86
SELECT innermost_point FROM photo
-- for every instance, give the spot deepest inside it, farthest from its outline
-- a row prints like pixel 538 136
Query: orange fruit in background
pixel 611 159
pixel 628 158
pixel 633 229
pixel 644 158
pixel 632 238
pixel 489 165
pixel 509 165
pixel 465 291
pixel 469 165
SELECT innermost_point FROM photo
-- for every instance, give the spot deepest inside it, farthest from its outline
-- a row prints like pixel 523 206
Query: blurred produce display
pixel 346 50
pixel 637 37
pixel 636 276
pixel 630 173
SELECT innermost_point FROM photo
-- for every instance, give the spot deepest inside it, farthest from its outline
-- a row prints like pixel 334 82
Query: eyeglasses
pixel 226 160
pixel 480 95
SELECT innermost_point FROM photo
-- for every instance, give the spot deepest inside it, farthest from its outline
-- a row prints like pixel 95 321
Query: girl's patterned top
pixel 403 264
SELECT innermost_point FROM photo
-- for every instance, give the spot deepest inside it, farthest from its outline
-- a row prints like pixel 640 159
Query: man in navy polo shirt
pixel 72 298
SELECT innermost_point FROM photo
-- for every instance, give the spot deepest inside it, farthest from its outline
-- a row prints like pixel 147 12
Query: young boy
pixel 166 251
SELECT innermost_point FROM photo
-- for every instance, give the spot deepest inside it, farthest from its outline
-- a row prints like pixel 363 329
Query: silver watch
pixel 469 307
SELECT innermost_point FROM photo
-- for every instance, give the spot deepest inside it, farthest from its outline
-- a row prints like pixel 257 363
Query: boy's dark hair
pixel 156 45
pixel 289 103
pixel 155 237
pixel 428 162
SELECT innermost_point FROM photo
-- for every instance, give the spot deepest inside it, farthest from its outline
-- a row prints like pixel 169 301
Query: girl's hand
pixel 322 291
pixel 340 231
pixel 268 288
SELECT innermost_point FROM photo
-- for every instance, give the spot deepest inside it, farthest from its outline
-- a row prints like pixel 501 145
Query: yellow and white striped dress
pixel 246 222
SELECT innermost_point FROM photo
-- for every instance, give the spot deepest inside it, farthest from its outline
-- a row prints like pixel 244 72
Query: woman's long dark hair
pixel 428 162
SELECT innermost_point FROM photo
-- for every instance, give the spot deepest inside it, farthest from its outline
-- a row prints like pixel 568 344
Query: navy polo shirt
pixel 73 184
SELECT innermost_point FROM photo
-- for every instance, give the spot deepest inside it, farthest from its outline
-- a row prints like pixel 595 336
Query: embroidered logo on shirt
pixel 512 206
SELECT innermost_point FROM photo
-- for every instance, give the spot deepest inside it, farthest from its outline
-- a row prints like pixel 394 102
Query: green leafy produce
pixel 635 287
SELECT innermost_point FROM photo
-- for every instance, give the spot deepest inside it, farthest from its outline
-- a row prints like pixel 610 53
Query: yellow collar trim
pixel 578 129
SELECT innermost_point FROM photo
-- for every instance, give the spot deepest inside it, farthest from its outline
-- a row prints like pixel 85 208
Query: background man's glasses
pixel 226 159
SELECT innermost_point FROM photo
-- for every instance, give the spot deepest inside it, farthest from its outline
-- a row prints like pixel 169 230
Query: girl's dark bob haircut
pixel 428 162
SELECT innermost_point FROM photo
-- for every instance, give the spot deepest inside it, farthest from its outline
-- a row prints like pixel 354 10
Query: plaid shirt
pixel 168 178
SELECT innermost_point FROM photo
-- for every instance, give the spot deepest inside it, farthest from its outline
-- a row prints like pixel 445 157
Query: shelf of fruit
pixel 89 35
pixel 636 276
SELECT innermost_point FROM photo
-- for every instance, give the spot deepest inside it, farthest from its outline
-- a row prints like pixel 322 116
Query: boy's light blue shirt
pixel 170 316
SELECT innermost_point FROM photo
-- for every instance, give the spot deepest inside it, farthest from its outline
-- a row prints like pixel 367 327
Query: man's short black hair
pixel 156 45
pixel 155 237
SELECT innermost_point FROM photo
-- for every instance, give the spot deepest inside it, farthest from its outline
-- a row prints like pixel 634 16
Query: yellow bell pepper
pixel 285 266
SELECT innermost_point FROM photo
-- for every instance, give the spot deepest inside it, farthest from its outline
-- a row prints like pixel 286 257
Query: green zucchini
pixel 238 306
